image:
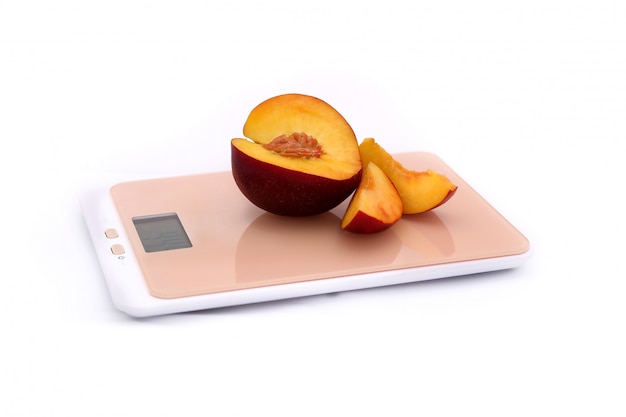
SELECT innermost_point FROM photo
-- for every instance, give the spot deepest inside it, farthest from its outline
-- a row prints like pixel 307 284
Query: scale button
pixel 111 233
pixel 117 250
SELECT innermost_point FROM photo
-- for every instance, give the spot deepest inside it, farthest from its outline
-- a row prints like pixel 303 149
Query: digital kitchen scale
pixel 185 243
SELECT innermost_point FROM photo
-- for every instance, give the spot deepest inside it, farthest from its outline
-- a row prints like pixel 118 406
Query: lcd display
pixel 161 232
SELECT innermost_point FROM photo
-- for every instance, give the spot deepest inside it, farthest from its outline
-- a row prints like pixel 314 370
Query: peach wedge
pixel 420 191
pixel 375 206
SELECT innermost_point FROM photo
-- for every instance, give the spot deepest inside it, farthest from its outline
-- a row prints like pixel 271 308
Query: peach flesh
pixel 301 118
pixel 376 204
pixel 420 191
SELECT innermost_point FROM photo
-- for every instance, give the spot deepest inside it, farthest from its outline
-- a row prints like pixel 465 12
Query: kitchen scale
pixel 185 243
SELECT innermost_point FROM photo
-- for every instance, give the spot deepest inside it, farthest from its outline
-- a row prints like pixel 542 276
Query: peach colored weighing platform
pixel 222 243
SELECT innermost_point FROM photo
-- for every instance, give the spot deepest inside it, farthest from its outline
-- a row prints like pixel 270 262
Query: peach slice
pixel 420 191
pixel 300 158
pixel 375 206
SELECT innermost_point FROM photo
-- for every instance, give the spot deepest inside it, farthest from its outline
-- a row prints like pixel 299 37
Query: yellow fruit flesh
pixel 420 191
pixel 375 196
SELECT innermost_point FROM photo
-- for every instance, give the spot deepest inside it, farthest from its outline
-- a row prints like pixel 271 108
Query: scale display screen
pixel 161 232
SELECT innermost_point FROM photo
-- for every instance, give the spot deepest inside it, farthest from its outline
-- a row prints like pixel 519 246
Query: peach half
pixel 420 191
pixel 375 206
pixel 300 158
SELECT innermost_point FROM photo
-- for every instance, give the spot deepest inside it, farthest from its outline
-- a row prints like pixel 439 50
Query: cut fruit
pixel 420 191
pixel 375 206
pixel 301 157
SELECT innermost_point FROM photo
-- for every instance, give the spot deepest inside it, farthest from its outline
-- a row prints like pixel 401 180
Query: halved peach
pixel 375 205
pixel 300 158
pixel 420 191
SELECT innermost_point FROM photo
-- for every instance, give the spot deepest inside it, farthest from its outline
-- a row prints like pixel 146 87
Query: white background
pixel 524 99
